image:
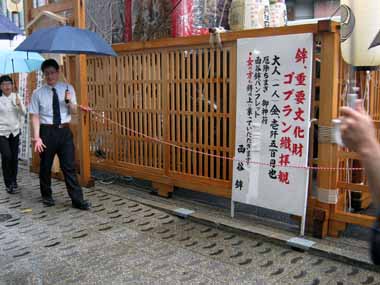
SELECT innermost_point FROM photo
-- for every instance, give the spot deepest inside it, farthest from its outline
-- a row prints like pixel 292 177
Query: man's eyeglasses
pixel 6 84
pixel 46 74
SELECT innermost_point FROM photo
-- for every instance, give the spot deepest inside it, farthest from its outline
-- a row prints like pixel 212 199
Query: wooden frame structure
pixel 182 91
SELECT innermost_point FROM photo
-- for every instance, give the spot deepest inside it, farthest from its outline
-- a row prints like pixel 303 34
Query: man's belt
pixel 61 126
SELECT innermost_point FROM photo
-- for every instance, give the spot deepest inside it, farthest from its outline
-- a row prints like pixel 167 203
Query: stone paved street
pixel 123 242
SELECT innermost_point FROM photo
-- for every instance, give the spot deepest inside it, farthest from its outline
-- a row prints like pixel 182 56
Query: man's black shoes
pixel 10 189
pixel 84 205
pixel 48 201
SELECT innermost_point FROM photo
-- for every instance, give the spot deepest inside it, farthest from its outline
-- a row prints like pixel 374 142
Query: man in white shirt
pixel 12 112
pixel 50 109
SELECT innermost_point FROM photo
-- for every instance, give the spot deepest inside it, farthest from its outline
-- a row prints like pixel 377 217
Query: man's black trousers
pixel 59 141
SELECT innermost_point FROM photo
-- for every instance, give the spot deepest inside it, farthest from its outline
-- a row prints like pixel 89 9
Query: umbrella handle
pixel 67 101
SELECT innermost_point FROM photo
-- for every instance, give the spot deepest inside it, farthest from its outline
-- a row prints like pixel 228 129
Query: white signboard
pixel 274 78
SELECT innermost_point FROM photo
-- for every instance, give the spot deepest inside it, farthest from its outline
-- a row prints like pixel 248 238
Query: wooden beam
pixel 28 14
pixel 348 155
pixel 81 85
pixel 55 8
pixel 203 184
pixel 329 82
pixel 356 219
pixel 226 37
pixel 353 187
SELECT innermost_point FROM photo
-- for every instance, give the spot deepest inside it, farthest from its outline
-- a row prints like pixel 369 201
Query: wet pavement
pixel 120 241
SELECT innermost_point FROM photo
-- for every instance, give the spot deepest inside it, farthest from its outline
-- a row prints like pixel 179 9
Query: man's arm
pixel 358 134
pixel 73 108
pixel 39 146
pixel 35 119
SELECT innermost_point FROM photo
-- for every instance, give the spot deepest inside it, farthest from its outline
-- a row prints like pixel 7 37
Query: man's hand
pixel 67 96
pixel 38 145
pixel 85 108
pixel 358 131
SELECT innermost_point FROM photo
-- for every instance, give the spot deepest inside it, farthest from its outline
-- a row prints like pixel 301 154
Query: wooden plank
pixel 134 109
pixel 114 105
pixel 225 110
pixel 207 185
pixel 352 186
pixel 204 40
pixel 211 116
pixel 144 110
pixel 348 155
pixel 233 86
pixel 189 154
pixel 329 100
pixel 172 107
pixel 140 109
pixel 206 70
pixel 129 99
pixel 356 219
pixel 54 7
pixel 81 83
pixel 178 108
pixel 154 107
pixel 150 114
pixel 166 110
pixel 195 110
pixel 201 109
pixel 218 120
pixel 160 115
pixel 134 170
pixel 182 97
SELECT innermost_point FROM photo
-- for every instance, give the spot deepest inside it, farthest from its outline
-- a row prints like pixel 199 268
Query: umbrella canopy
pixel 8 30
pixel 66 40
pixel 19 61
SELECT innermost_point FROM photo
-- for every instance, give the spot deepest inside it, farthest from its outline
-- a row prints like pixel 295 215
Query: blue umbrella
pixel 66 40
pixel 8 30
pixel 19 61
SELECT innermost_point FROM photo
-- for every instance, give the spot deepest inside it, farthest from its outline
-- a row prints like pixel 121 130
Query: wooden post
pixel 81 91
pixel 327 152
pixel 233 97
pixel 165 190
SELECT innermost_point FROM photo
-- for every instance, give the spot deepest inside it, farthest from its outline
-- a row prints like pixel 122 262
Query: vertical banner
pixel 274 81
pixel 24 148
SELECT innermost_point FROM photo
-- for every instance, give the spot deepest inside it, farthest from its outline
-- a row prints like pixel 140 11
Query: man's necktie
pixel 56 110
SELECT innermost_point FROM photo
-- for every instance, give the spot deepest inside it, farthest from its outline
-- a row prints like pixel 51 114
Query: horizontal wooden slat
pixel 356 219
pixel 352 186
pixel 128 169
pixel 204 40
pixel 55 8
pixel 348 155
pixel 202 184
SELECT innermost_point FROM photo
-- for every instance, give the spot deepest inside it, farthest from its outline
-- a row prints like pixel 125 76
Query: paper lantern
pixel 360 38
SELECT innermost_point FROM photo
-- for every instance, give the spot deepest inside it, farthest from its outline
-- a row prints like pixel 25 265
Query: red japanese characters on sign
pixel 292 147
